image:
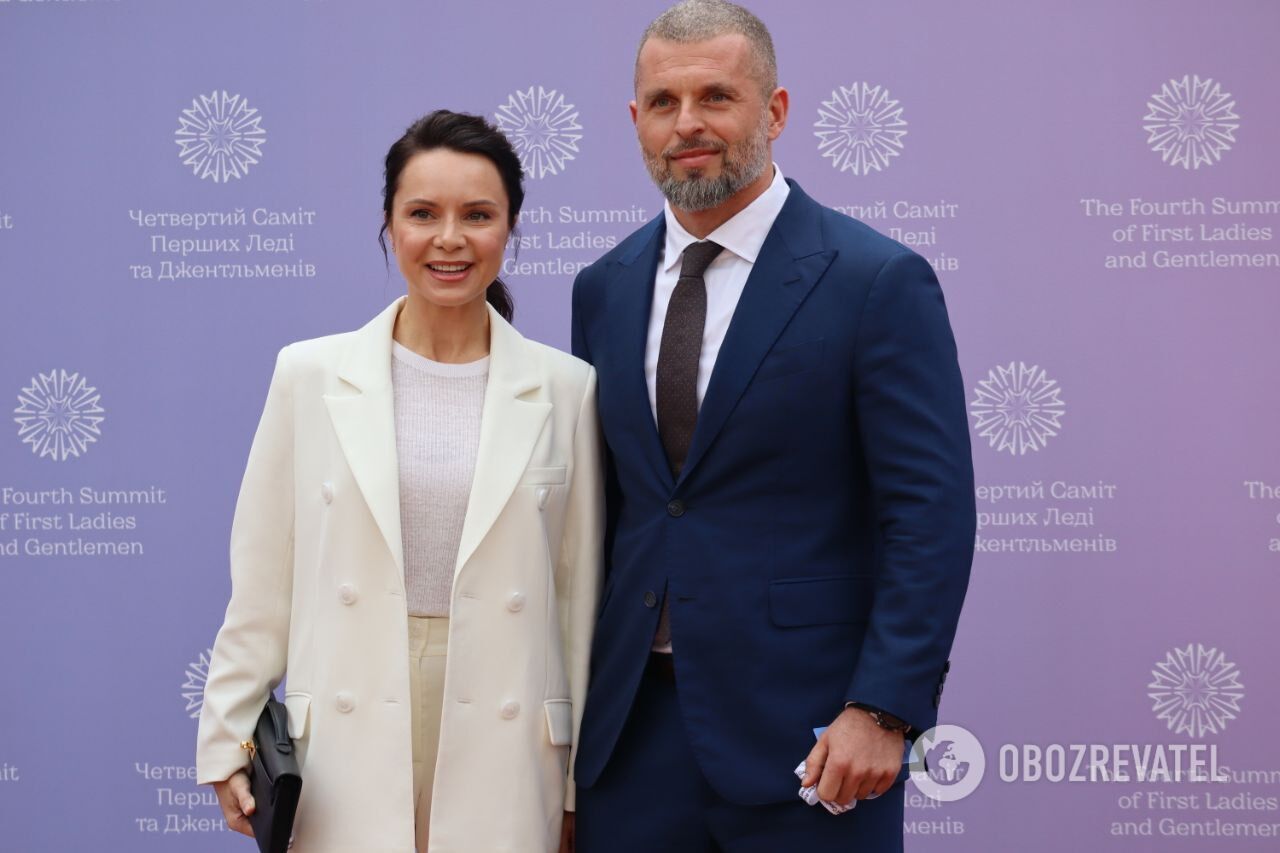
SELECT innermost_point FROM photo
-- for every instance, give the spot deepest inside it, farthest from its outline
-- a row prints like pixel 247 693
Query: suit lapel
pixel 364 421
pixel 790 263
pixel 509 429
pixel 630 304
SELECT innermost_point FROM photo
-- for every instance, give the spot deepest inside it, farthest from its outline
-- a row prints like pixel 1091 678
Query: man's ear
pixel 779 103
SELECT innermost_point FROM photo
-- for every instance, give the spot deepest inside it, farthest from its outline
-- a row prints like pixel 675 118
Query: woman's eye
pixel 478 216
pixel 420 214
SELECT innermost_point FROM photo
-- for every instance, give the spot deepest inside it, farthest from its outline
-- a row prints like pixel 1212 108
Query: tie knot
pixel 697 257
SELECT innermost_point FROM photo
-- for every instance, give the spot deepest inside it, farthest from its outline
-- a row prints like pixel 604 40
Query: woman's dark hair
pixel 466 134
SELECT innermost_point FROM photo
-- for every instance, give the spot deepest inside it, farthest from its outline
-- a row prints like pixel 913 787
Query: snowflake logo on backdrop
pixel 1196 690
pixel 220 136
pixel 193 687
pixel 860 128
pixel 542 128
pixel 1190 122
pixel 1017 408
pixel 59 415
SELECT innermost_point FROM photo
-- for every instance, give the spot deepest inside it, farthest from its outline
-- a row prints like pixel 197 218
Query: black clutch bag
pixel 274 778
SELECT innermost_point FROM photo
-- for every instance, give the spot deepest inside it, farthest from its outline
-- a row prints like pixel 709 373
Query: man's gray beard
pixel 699 193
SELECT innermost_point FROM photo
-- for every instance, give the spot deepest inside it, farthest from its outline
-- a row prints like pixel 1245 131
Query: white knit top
pixel 437 408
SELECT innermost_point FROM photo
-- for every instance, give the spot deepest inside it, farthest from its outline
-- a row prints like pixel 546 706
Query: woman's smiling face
pixel 449 226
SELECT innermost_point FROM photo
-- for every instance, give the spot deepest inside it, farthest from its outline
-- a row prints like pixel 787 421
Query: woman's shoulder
pixel 330 351
pixel 558 362
pixel 559 370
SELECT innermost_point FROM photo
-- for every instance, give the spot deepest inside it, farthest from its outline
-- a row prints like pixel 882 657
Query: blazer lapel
pixel 365 423
pixel 790 263
pixel 509 429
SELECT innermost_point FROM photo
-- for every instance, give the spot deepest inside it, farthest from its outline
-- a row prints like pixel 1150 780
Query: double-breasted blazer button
pixel 510 710
pixel 516 602
pixel 326 492
pixel 675 509
pixel 345 702
pixel 347 594
pixel 650 599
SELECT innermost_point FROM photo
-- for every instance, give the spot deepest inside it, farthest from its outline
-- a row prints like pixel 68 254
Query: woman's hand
pixel 236 801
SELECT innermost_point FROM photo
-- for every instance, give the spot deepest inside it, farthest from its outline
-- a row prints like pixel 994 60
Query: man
pixel 790 517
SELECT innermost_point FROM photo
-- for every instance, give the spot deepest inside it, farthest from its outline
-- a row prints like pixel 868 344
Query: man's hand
pixel 237 802
pixel 566 833
pixel 853 759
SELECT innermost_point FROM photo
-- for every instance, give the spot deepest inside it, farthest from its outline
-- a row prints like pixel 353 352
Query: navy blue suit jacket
pixel 816 547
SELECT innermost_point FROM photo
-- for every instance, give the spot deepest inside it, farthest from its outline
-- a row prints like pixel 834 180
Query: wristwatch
pixel 882 719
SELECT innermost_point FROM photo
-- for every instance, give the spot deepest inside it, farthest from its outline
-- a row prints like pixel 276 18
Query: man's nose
pixel 689 123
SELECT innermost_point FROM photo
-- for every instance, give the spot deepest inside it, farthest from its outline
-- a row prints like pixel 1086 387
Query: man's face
pixel 703 122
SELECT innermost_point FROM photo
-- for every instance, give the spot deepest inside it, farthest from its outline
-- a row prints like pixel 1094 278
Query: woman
pixel 417 543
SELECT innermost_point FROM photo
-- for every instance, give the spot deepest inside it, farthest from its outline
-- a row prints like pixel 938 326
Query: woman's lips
pixel 448 272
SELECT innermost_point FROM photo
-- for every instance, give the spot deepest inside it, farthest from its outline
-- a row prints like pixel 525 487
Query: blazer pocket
pixel 559 721
pixel 797 602
pixel 543 476
pixel 788 360
pixel 298 706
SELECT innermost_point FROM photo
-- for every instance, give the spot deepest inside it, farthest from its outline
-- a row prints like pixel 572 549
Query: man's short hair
pixel 700 20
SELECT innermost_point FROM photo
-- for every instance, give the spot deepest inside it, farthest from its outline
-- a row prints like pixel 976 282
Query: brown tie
pixel 677 381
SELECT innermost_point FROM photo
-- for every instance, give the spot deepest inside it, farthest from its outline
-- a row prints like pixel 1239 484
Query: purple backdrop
pixel 186 187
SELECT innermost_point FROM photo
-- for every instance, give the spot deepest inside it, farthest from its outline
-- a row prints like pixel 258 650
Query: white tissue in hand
pixel 810 795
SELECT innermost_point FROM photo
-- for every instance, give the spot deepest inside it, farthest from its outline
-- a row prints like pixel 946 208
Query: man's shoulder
pixel 868 243
pixel 626 250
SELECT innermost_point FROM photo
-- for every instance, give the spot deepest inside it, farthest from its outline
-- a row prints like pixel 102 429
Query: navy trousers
pixel 652 797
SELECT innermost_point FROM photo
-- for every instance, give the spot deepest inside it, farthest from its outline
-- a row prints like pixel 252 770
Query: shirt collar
pixel 743 234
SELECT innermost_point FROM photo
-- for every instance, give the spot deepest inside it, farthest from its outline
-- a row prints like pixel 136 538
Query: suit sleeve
pixel 250 651
pixel 910 406
pixel 581 554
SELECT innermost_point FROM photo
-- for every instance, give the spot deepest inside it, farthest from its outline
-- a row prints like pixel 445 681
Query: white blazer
pixel 317 591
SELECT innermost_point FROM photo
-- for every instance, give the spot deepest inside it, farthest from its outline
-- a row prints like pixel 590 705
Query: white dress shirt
pixel 742 236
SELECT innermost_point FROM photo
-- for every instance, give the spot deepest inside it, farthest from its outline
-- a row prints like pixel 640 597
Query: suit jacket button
pixel 347 594
pixel 510 710
pixel 675 509
pixel 345 702
pixel 516 602
pixel 650 599
pixel 326 492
